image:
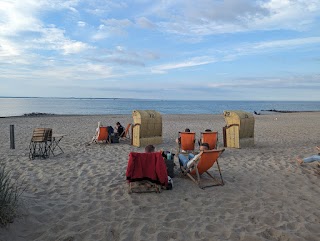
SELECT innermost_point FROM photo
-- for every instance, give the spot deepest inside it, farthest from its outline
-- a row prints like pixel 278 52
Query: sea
pixel 102 106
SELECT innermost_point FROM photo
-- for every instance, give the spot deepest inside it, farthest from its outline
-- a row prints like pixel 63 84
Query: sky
pixel 161 49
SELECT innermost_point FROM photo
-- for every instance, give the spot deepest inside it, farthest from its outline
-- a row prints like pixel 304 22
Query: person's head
pixel 207 130
pixel 204 146
pixel 149 148
pixel 118 123
pixel 187 130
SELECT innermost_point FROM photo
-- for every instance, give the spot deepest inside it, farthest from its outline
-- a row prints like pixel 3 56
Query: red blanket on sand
pixel 147 166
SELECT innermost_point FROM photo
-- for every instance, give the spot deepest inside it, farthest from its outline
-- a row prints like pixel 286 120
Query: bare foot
pixel 299 160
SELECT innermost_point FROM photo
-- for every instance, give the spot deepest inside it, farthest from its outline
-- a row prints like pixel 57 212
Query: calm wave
pixel 72 106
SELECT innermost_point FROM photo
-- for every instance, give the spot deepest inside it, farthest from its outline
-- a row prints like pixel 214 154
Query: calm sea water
pixel 71 106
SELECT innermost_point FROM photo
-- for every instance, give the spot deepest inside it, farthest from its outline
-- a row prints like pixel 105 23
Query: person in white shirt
pixel 187 162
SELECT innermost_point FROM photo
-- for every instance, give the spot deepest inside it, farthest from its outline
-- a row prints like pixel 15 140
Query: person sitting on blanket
pixel 310 158
pixel 187 162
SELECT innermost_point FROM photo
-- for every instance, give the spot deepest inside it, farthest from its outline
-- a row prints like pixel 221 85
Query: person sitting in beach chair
pixel 202 163
pixel 101 135
pixel 119 129
pixel 178 140
pixel 126 133
pixel 187 161
pixel 210 137
pixel 147 170
pixel 186 141
pixel 149 149
pixel 310 158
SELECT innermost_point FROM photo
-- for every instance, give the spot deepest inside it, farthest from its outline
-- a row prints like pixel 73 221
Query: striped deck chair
pixel 204 161
pixel 102 135
pixel 211 138
pixel 125 135
pixel 186 142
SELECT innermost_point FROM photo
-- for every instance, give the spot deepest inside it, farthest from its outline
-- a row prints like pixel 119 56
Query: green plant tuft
pixel 9 195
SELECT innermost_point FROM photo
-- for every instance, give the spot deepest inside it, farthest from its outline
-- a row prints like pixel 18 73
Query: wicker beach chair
pixel 40 143
pixel 211 138
pixel 186 142
pixel 202 164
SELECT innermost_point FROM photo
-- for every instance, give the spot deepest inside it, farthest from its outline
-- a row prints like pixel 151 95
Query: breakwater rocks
pixel 287 111
pixel 268 112
pixel 36 114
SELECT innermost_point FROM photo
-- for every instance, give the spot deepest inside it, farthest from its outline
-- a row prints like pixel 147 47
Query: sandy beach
pixel 82 193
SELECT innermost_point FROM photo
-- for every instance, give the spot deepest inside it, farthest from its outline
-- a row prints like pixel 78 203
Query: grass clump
pixel 9 195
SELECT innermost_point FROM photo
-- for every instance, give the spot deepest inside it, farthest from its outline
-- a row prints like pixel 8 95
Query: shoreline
pixel 40 114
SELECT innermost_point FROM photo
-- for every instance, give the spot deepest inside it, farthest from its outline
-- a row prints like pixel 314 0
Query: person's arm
pixel 191 162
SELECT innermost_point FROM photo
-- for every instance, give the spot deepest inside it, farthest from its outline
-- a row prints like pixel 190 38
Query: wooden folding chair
pixel 126 133
pixel 40 143
pixel 211 138
pixel 102 135
pixel 202 164
pixel 186 141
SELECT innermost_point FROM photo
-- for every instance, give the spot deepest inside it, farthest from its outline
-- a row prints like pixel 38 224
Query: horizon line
pixel 118 98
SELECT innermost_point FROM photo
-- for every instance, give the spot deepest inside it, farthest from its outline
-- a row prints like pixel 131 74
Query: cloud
pixel 207 17
pixel 121 56
pixel 8 49
pixel 17 17
pixel 54 39
pixel 143 22
pixel 61 73
pixel 112 27
pixel 82 24
pixel 102 7
pixel 270 46
pixel 287 43
pixel 22 31
pixel 292 82
pixel 196 61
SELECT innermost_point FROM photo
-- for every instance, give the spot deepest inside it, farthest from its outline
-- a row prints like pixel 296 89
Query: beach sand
pixel 82 193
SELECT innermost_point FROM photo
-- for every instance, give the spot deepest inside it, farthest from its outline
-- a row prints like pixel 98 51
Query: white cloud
pixel 288 43
pixel 143 22
pixel 17 17
pixel 61 73
pixel 82 24
pixel 179 65
pixel 238 51
pixel 271 46
pixel 72 47
pixel 8 49
pixel 208 17
pixel 292 82
pixel 112 27
pixel 102 7
pixel 54 39
pixel 117 23
pixel 21 29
